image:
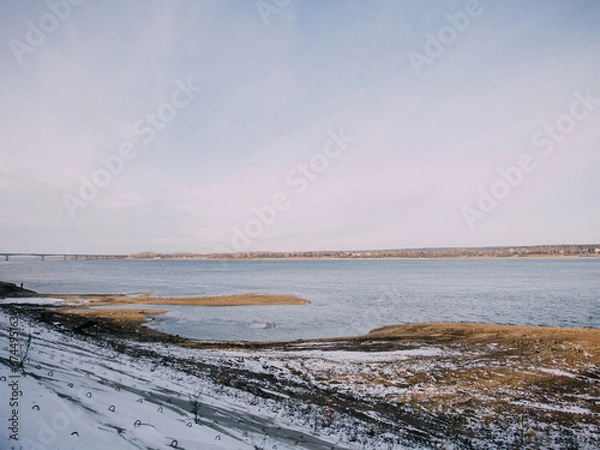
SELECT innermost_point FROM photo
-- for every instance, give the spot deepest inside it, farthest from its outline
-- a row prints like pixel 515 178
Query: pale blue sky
pixel 272 90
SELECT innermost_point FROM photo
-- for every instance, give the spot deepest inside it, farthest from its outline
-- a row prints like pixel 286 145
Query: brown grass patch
pixel 507 335
pixel 146 299
pixel 130 316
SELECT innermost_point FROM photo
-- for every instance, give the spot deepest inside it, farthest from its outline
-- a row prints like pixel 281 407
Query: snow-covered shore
pixel 78 395
pixel 99 391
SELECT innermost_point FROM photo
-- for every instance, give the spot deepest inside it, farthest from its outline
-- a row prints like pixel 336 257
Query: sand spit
pixel 149 299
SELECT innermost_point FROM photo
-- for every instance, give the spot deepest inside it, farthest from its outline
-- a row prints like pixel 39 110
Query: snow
pixel 76 395
pixel 565 409
pixel 557 372
pixel 373 357
pixel 30 301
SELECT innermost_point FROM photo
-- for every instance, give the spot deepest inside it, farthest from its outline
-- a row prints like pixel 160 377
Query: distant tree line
pixel 454 252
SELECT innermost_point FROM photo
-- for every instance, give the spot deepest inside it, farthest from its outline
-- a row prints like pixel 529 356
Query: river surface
pixel 346 297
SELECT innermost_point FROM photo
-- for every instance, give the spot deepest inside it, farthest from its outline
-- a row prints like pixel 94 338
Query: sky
pixel 293 125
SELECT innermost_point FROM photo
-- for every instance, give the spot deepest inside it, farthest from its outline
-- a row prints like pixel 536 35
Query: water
pixel 346 297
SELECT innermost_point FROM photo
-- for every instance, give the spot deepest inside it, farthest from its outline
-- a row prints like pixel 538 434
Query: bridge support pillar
pixel 6 257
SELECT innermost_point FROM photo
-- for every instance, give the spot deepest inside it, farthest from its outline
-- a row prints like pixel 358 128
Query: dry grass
pixel 511 335
pixel 133 318
pixel 129 316
pixel 146 299
pixel 501 370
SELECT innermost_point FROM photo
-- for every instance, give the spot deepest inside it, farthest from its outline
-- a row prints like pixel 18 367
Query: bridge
pixel 64 256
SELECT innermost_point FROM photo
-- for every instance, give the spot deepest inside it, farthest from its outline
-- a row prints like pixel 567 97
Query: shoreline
pixel 92 257
pixel 425 385
pixel 131 322
pixel 95 310
pixel 364 258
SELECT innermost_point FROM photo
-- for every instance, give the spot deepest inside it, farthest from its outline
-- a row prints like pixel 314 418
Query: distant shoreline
pixel 306 258
pixel 536 251
pixel 532 251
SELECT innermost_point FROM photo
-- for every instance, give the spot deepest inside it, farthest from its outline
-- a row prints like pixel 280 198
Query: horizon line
pixel 486 247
